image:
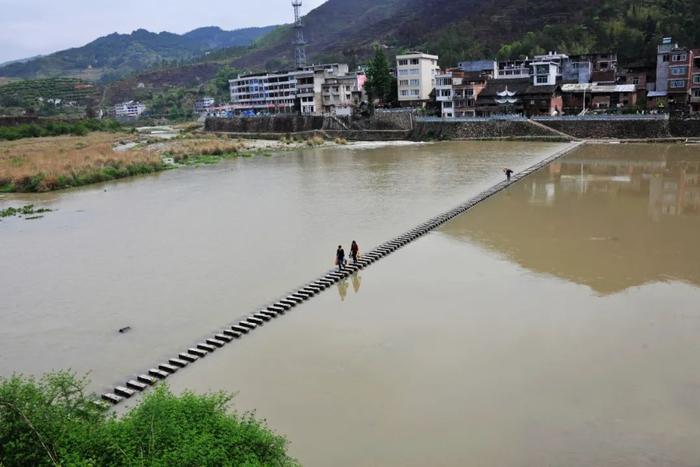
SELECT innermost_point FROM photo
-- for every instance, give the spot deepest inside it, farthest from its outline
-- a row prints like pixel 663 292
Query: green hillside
pixel 118 55
pixel 49 96
pixel 469 29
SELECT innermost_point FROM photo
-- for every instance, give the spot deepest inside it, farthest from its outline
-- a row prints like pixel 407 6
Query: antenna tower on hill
pixel 299 43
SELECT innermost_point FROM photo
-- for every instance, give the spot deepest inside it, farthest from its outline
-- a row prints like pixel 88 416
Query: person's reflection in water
pixel 356 282
pixel 343 289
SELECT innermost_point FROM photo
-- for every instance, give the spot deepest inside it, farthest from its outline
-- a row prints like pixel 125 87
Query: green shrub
pixel 57 128
pixel 53 422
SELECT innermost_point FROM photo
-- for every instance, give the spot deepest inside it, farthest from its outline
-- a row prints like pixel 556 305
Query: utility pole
pixel 299 43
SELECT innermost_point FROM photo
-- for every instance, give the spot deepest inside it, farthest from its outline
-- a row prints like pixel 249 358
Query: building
pixel 695 82
pixel 519 96
pixel 512 69
pixel 269 93
pixel 457 91
pixel 203 104
pixel 644 77
pixel 416 74
pixel 483 67
pixel 298 91
pixel 577 71
pixel 341 94
pixel 129 109
pixel 593 96
pixel 673 74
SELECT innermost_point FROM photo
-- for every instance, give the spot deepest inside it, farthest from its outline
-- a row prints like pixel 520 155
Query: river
pixel 556 323
pixel 176 255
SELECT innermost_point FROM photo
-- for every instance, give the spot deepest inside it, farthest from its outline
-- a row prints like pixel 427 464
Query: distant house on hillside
pixel 130 109
pixel 203 104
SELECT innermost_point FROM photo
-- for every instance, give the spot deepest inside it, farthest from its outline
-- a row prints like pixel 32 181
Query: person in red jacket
pixel 354 251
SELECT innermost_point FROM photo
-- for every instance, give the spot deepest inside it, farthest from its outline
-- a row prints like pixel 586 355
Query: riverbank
pixel 35 165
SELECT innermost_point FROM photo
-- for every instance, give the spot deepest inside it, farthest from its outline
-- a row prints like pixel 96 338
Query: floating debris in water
pixel 125 329
pixel 27 210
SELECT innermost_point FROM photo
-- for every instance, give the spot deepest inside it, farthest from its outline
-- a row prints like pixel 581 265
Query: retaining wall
pixel 627 129
pixel 394 126
pixel 479 129
pixel 689 128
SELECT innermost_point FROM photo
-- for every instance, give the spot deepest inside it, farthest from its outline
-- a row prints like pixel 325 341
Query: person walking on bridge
pixel 354 251
pixel 508 172
pixel 340 257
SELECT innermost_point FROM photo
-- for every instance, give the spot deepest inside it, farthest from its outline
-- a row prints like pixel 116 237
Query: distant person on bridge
pixel 340 257
pixel 354 251
pixel 508 172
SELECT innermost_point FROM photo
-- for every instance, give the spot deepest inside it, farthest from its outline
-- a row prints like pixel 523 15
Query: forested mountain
pixel 464 29
pixel 118 55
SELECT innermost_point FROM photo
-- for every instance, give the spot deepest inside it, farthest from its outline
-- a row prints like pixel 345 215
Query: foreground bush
pixel 53 422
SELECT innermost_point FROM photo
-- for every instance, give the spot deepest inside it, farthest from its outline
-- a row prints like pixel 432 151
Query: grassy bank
pixel 53 421
pixel 54 163
pixel 56 128
pixel 45 164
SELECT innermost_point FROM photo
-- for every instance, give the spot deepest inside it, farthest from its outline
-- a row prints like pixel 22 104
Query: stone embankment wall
pixel 689 128
pixel 480 130
pixel 276 124
pixel 397 126
pixel 625 129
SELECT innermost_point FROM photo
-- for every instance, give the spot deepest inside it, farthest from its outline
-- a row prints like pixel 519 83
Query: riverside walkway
pixel 255 320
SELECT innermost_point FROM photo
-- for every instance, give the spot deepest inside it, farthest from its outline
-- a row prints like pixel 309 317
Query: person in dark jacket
pixel 508 172
pixel 354 251
pixel 340 257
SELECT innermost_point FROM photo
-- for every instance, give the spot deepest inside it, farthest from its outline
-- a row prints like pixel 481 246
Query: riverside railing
pixel 492 118
pixel 600 118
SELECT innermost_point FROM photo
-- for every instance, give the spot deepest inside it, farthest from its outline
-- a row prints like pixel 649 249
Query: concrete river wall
pixel 404 125
pixel 253 321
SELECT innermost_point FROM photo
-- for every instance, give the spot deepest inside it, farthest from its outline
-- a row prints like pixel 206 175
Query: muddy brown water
pixel 180 254
pixel 556 323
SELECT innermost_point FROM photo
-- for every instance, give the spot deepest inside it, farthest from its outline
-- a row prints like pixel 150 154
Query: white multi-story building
pixel 281 92
pixel 129 109
pixel 267 93
pixel 416 73
pixel 203 104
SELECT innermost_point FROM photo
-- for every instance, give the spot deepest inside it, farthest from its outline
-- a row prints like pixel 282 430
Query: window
pixel 680 57
pixel 665 58
pixel 447 105
pixel 403 62
pixel 635 80
pixel 403 82
pixel 679 70
pixel 404 92
pixel 415 82
pixel 677 83
pixel 415 92
pixel 415 71
pixel 696 79
pixel 696 92
pixel 542 79
pixel 403 72
pixel 414 61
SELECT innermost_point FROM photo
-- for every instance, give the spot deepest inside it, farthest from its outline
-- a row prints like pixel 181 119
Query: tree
pixel 379 79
